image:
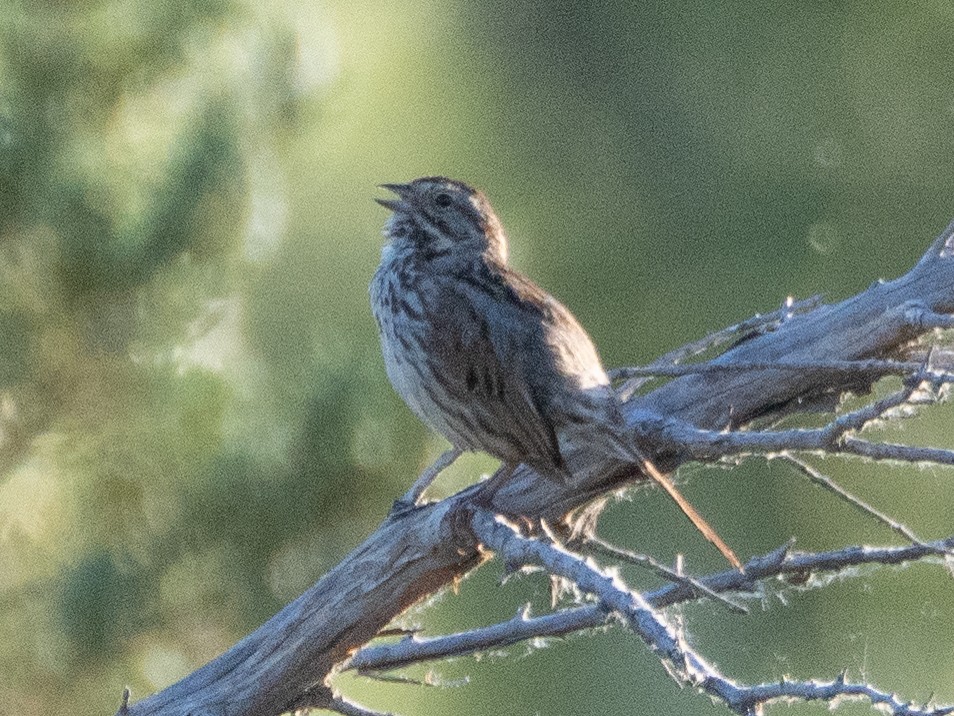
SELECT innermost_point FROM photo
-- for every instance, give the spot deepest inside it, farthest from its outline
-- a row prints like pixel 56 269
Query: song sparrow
pixel 483 355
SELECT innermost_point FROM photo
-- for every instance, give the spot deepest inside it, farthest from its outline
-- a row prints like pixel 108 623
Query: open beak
pixel 402 190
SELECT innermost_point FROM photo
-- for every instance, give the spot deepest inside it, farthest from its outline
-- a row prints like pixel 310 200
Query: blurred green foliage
pixel 194 418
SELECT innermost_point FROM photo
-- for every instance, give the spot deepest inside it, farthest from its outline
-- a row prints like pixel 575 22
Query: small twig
pixel 755 324
pixel 784 562
pixel 348 707
pixel 709 445
pixel 759 323
pixel 410 498
pixel 752 698
pixel 861 368
pixel 832 438
pixel 859 419
pixel 124 702
pixel 323 697
pixel 941 248
pixel 397 631
pixel 826 482
pixel 898 453
pixel 520 627
pixel 393 678
pixel 644 560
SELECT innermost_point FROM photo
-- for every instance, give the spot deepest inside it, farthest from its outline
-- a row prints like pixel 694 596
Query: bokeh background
pixel 194 417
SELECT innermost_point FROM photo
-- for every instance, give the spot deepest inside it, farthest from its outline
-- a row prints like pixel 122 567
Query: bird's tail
pixel 654 473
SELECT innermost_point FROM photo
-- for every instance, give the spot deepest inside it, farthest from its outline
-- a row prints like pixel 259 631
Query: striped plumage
pixel 479 352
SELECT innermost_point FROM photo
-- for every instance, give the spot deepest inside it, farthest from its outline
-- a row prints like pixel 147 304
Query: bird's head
pixel 438 216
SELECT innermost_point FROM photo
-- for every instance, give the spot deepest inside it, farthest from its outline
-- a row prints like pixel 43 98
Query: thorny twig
pixel 757 324
pixel 827 483
pixel 709 445
pixel 522 627
pixel 596 544
pixel 672 364
pixel 760 323
pixel 680 659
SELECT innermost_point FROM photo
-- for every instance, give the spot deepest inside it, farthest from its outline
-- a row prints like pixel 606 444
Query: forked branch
pixel 682 661
pixel 750 583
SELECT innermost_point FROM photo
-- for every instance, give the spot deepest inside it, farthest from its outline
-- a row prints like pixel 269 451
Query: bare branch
pixel 867 368
pixel 832 438
pixel 749 699
pixel 683 662
pixel 826 482
pixel 644 560
pixel 443 461
pixel 522 627
pixel 897 453
pixel 783 562
pixel 760 323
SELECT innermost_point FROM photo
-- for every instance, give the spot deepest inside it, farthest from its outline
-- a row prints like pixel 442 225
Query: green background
pixel 194 418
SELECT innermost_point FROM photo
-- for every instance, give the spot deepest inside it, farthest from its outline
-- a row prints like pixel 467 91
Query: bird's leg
pixel 409 499
pixel 490 487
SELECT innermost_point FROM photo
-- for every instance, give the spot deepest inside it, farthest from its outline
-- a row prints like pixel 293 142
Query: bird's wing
pixel 491 348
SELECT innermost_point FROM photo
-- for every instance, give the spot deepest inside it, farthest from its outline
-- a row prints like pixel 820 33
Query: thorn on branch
pixel 644 560
pixel 941 248
pixel 124 702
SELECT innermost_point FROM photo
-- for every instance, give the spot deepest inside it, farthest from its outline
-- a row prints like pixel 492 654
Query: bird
pixel 483 355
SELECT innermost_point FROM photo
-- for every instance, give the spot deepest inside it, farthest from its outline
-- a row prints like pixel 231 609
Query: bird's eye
pixel 442 199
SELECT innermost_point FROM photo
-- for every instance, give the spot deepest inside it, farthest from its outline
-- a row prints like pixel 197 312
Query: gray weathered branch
pixel 289 658
pixel 683 662
pixel 523 627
